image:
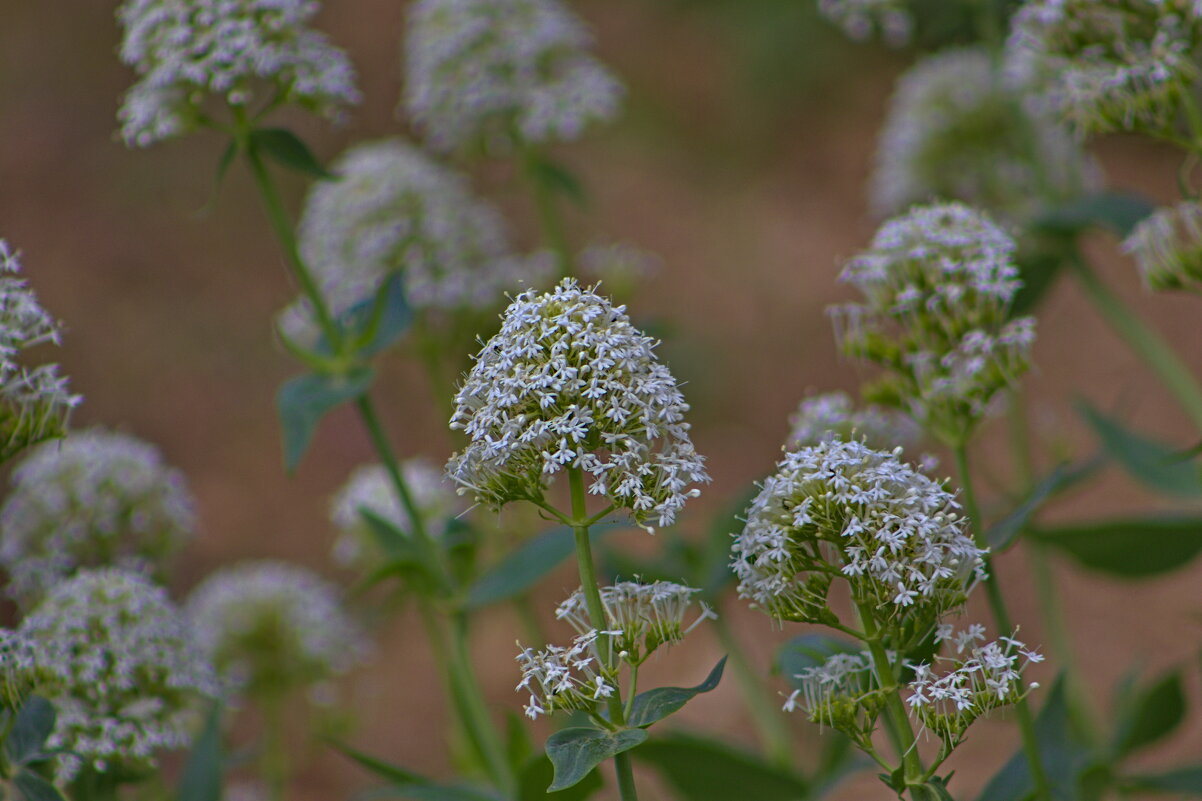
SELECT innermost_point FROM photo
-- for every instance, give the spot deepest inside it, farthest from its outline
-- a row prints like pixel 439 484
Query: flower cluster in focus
pixel 246 53
pixel 568 382
pixel 495 73
pixel 938 283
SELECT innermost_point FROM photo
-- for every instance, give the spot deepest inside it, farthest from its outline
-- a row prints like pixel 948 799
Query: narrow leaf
pixel 396 544
pixel 33 724
pixel 1128 548
pixel 33 787
pixel 1157 466
pixel 1003 533
pixel 523 568
pixel 304 400
pixel 1185 781
pixel 1154 714
pixel 701 769
pixel 575 752
pixel 379 321
pixel 223 163
pixel 1119 212
pixel 203 773
pixel 539 773
pixel 380 767
pixel 558 179
pixel 288 149
pixel 1038 274
pixel 655 705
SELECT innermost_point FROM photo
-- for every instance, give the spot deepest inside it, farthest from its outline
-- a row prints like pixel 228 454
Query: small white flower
pixel 488 72
pixel 185 51
pixel 95 499
pixel 570 678
pixel 642 616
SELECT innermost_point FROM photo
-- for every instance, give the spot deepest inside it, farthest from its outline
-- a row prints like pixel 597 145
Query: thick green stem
pixel 1001 617
pixel 770 724
pixel 274 763
pixel 886 674
pixel 549 217
pixel 1150 347
pixel 598 620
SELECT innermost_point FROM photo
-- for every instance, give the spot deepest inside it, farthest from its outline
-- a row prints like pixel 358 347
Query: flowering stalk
pixel 473 709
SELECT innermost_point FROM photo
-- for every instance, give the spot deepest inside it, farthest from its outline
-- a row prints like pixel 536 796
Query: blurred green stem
pixel 1150 347
pixel 1001 617
pixel 549 217
pixel 770 723
pixel 274 763
pixel 596 613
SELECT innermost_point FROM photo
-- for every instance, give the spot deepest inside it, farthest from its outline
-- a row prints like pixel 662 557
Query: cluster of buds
pixel 1167 246
pixel 640 617
pixel 1123 65
pixel 843 693
pixel 840 510
pixel 938 283
pixel 958 130
pixel 568 382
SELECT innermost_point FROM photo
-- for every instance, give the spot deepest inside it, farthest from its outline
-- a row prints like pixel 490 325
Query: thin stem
pixel 274 764
pixel 770 724
pixel 549 217
pixel 1154 351
pixel 596 613
pixel 475 711
pixel 886 674
pixel 1001 617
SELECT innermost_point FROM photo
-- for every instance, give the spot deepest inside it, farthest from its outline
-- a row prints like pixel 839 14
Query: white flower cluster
pixel 34 402
pixel 843 510
pixel 20 672
pixel 96 499
pixel 1117 65
pixel 1167 246
pixel 860 19
pixel 833 416
pixel 837 691
pixel 488 72
pixel 646 615
pixel 569 382
pixel 185 51
pixel 982 678
pixel 270 627
pixel 956 130
pixel 937 284
pixel 370 489
pixel 394 210
pixel 124 676
pixel 571 678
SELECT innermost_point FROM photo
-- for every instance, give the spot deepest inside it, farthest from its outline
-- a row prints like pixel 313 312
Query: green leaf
pixel 655 705
pixel 288 149
pixel 202 777
pixel 575 752
pixel 380 767
pixel 380 321
pixel 522 568
pixel 1065 757
pixel 1038 274
pixel 538 775
pixel 33 724
pixel 397 546
pixel 1184 781
pixel 32 787
pixel 304 400
pixel 809 651
pixel 1119 212
pixel 557 178
pixel 1003 533
pixel 1157 466
pixel 223 164
pixel 1135 548
pixel 1152 715
pixel 701 769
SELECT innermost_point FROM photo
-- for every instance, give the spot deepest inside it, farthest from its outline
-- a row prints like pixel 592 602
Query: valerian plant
pixel 566 415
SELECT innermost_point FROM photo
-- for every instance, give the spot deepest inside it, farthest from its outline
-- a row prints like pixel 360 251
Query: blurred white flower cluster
pixel 1167 246
pixel 861 19
pixel 833 416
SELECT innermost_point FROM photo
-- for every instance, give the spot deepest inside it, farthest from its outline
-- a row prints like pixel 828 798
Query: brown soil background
pixel 751 188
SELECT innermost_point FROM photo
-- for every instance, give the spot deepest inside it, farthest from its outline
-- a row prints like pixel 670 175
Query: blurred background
pixel 742 161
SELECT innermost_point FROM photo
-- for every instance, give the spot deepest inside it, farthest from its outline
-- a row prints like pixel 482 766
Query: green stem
pixel 274 764
pixel 770 724
pixel 549 217
pixel 479 724
pixel 1154 351
pixel 598 620
pixel 1001 617
pixel 886 674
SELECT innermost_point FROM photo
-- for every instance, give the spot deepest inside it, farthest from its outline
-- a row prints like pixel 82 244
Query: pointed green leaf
pixel 32 787
pixel 575 752
pixel 203 774
pixel 304 400
pixel 1038 274
pixel 223 163
pixel 538 775
pixel 809 651
pixel 1157 466
pixel 380 767
pixel 1128 548
pixel 34 723
pixel 396 544
pixel 655 705
pixel 702 769
pixel 1153 714
pixel 379 321
pixel 557 178
pixel 287 148
pixel 532 560
pixel 1003 533
pixel 1182 781
pixel 1119 212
